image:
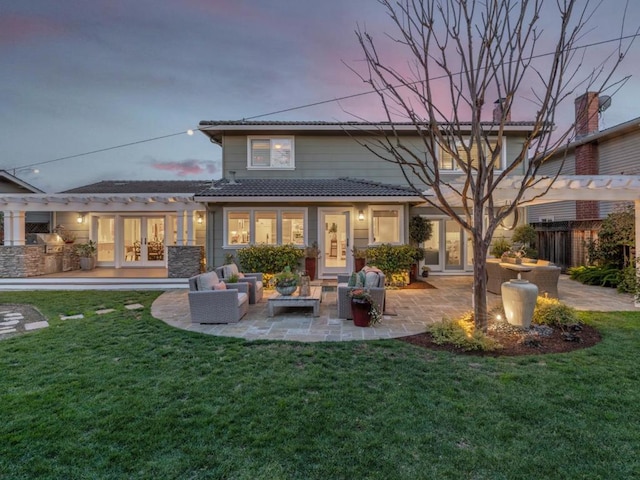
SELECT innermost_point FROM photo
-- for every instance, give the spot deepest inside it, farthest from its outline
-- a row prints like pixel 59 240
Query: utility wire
pixel 299 107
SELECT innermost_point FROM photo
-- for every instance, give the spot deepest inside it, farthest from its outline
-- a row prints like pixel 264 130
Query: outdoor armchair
pixel 208 305
pixel 374 283
pixel 497 275
pixel 545 277
pixel 254 280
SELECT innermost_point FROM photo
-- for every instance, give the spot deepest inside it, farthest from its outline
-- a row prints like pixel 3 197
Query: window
pixel 447 162
pixel 270 226
pixel 386 224
pixel 270 153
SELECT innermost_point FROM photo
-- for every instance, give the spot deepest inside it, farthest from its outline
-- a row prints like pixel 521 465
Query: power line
pixel 291 109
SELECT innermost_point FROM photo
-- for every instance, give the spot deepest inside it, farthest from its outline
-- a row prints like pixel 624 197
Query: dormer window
pixel 270 153
pixel 447 161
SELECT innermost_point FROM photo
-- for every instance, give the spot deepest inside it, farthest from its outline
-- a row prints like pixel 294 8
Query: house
pixel 305 182
pixel 564 227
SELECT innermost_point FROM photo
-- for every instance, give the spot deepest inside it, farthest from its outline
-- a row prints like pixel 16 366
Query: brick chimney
pixel 586 155
pixel 498 111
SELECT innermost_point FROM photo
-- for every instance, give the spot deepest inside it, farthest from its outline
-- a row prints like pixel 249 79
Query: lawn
pixel 125 396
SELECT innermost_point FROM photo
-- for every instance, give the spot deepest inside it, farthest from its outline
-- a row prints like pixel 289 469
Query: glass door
pixel 143 241
pixel 333 241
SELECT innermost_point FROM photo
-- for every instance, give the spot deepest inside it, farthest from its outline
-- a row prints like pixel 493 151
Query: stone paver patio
pixel 409 312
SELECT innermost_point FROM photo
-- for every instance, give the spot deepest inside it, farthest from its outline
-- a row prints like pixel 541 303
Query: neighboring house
pixel 563 227
pixel 305 182
pixel 36 222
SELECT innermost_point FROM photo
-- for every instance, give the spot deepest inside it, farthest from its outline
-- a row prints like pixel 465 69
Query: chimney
pixel 498 111
pixel 232 179
pixel 586 154
pixel 587 112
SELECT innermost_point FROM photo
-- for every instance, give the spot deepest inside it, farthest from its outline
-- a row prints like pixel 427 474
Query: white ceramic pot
pixel 519 300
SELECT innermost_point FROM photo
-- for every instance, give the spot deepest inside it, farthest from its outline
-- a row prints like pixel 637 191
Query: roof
pixel 214 128
pixel 143 186
pixel 342 188
pixel 20 184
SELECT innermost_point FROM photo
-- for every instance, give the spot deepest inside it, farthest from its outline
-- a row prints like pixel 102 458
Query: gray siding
pixel 559 211
pixel 329 157
pixel 619 156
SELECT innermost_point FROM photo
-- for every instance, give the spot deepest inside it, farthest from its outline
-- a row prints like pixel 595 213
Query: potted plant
pixel 420 230
pixel 425 271
pixel 311 253
pixel 514 255
pixel 286 282
pixel 333 230
pixel 87 253
pixel 364 309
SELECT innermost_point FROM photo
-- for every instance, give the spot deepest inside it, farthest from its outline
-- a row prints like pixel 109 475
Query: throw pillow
pixel 360 281
pixel 372 279
pixel 230 269
pixel 352 280
pixel 220 286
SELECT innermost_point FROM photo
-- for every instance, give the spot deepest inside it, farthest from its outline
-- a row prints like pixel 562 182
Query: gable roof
pixel 143 186
pixel 20 185
pixel 347 189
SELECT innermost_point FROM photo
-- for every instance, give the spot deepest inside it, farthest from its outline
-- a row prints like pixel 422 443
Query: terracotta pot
pixel 360 263
pixel 310 267
pixel 360 312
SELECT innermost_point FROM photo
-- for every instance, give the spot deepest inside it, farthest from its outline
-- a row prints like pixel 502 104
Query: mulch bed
pixel 514 344
pixel 418 285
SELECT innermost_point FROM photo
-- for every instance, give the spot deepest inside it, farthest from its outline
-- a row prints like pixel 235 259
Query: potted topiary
pixel 420 230
pixel 359 258
pixel 286 282
pixel 87 253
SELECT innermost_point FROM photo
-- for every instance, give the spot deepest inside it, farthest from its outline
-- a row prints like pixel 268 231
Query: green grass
pixel 125 396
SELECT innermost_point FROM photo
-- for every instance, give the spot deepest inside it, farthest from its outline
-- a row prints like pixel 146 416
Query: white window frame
pixel 400 210
pixel 252 217
pixel 272 160
pixel 494 139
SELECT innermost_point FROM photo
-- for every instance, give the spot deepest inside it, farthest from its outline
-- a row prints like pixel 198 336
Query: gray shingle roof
pixel 143 186
pixel 317 123
pixel 341 187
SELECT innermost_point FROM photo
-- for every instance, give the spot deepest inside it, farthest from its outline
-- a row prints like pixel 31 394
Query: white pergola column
pixel 191 234
pixel 180 227
pixel 14 223
pixel 636 205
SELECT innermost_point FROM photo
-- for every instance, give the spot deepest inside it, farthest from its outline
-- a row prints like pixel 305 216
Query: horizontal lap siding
pixel 621 155
pixel 560 211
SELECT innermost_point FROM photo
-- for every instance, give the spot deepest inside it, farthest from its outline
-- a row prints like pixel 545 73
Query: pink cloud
pixel 187 167
pixel 19 28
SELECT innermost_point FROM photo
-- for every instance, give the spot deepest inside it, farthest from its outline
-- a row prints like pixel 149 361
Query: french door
pixel 334 241
pixel 143 241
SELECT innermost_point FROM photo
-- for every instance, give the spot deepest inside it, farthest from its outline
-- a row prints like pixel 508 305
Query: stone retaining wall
pixel 184 261
pixel 30 261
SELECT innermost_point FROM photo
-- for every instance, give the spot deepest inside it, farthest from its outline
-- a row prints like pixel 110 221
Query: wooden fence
pixel 565 243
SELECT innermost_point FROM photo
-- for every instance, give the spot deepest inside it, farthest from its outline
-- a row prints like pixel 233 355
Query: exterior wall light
pixel 360 215
pixel 200 219
pixel 80 218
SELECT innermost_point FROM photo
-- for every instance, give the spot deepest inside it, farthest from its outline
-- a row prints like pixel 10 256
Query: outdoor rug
pixel 418 285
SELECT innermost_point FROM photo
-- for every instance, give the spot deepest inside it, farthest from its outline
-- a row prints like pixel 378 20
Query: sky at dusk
pixel 79 76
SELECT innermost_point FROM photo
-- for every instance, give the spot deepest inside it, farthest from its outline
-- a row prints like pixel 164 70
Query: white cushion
pixel 242 298
pixel 372 279
pixel 258 285
pixel 230 269
pixel 206 281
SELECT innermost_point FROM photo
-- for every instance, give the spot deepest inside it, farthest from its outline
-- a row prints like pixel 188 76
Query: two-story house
pixel 305 182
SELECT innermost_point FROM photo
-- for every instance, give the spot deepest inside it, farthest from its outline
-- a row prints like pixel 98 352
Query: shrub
pixel 525 234
pixel 461 334
pixel 270 259
pixel 549 311
pixel 420 229
pixel 392 259
pixel 628 282
pixel 604 276
pixel 499 246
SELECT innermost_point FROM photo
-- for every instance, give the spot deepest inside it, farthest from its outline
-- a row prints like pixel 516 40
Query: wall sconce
pixel 80 218
pixel 200 219
pixel 360 215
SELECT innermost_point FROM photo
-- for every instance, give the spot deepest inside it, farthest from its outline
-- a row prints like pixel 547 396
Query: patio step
pixel 84 283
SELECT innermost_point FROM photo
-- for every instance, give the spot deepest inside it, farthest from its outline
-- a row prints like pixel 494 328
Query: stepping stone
pixel 134 306
pixel 71 317
pixel 9 330
pixel 105 311
pixel 13 315
pixel 36 325
pixel 9 323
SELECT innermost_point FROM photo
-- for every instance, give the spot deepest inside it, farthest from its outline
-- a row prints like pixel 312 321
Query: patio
pixel 409 311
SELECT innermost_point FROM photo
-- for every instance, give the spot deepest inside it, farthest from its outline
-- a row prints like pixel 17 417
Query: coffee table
pixel 296 300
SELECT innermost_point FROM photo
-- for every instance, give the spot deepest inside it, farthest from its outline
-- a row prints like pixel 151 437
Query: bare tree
pixel 459 53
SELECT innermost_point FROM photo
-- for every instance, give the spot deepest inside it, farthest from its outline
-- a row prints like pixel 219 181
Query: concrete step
pixel 84 283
